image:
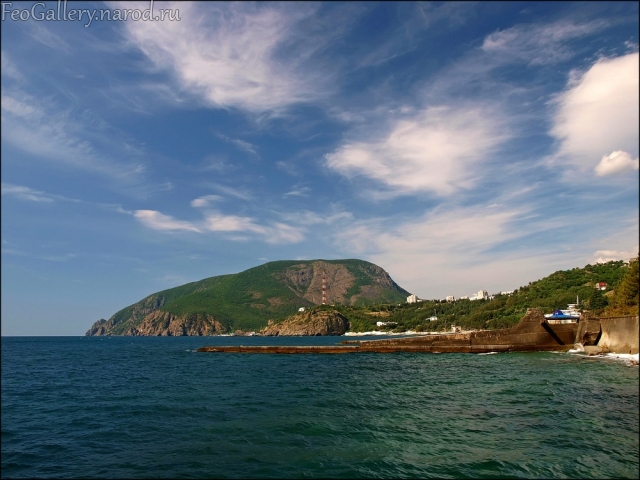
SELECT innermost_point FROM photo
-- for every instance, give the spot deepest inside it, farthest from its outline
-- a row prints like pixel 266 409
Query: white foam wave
pixel 627 357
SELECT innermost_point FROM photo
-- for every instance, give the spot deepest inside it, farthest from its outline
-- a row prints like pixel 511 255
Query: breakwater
pixel 619 334
pixel 532 333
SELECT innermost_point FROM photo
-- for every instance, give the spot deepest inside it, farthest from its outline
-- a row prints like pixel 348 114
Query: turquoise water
pixel 153 407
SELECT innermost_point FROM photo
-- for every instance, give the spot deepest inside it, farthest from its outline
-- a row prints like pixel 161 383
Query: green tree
pixel 598 301
pixel 626 295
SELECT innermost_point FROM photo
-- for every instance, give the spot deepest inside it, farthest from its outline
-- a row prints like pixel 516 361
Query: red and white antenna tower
pixel 324 288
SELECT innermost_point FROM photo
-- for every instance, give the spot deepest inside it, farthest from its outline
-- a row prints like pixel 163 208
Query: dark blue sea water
pixel 153 407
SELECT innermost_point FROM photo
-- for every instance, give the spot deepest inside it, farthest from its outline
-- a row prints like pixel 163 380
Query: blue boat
pixel 562 315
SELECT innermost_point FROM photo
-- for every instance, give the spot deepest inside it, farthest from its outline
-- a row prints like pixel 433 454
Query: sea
pixel 153 407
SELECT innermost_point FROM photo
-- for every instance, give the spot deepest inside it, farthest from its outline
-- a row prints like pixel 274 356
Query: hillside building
pixel 481 295
pixel 386 324
pixel 412 299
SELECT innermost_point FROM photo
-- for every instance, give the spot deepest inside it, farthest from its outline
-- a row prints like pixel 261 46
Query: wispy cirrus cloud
pixel 437 150
pixel 241 193
pixel 158 221
pixel 459 250
pixel 8 68
pixel 275 233
pixel 298 191
pixel 307 217
pixel 25 193
pixel 240 144
pixel 205 201
pixel 539 44
pixel 38 128
pixel 228 54
pixel 246 227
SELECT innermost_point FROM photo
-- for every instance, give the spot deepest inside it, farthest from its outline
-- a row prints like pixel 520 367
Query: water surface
pixel 153 407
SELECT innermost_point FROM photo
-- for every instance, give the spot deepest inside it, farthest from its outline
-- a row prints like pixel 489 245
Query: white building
pixel 301 309
pixel 481 295
pixel 412 299
pixel 464 297
pixel 433 319
pixel 510 292
pixel 450 298
pixel 385 324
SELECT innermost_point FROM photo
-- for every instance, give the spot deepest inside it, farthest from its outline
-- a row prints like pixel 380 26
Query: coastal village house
pixel 386 324
pixel 451 298
pixel 412 299
pixel 601 285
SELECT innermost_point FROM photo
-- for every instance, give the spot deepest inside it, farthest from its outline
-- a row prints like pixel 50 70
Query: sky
pixel 459 146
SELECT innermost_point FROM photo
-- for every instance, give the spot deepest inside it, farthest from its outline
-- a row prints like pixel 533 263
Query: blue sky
pixel 460 146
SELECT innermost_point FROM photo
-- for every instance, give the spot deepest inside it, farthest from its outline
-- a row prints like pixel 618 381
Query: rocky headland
pixel 245 301
pixel 309 323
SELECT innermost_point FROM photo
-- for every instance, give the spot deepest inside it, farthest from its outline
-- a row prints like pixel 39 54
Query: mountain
pixel 248 300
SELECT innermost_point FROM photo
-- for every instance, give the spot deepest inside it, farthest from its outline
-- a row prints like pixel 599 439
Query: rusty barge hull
pixel 533 333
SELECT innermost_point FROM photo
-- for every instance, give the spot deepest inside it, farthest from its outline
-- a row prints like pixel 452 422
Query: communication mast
pixel 324 288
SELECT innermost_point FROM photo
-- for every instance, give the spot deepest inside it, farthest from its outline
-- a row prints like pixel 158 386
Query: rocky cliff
pixel 164 324
pixel 310 323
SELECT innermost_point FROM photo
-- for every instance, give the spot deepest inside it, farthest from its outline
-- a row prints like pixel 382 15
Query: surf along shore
pixel 532 333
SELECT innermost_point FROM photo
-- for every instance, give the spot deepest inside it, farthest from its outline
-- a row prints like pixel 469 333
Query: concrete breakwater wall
pixel 619 334
pixel 532 333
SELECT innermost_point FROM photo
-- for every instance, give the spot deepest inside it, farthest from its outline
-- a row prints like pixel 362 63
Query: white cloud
pixel 205 200
pixel 539 44
pixel 41 129
pixel 17 107
pixel 615 163
pixel 25 193
pixel 445 252
pixel 158 221
pixel 231 223
pixel 240 144
pixel 298 192
pixel 599 112
pixel 604 256
pixel 220 223
pixel 278 233
pixel 307 217
pixel 8 68
pixel 231 191
pixel 283 233
pixel 226 53
pixel 438 150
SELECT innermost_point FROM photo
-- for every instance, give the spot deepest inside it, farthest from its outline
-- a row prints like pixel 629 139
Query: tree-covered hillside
pixel 365 294
pixel 550 293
